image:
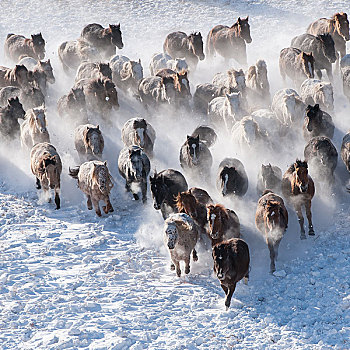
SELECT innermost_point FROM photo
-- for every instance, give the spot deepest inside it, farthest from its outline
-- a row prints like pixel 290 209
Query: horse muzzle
pixel 118 45
pixel 248 40
pixel 220 275
pixel 171 245
pixel 201 57
pixel 156 206
pixel 303 189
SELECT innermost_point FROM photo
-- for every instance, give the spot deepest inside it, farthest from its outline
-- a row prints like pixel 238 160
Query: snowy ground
pixel 71 280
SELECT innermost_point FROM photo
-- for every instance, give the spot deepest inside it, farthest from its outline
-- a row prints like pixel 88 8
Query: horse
pixel 315 91
pixel 18 45
pixel 165 186
pixel 234 80
pixel 322 48
pixel 296 64
pixel 269 177
pixel 187 203
pixel 223 223
pixel 137 131
pixel 288 107
pixel 72 53
pixel 100 95
pixel 73 105
pixel 337 26
pixel 95 181
pixel 42 74
pixel 226 111
pixel 134 166
pixel 46 165
pixel 231 264
pixel 9 115
pixel 195 157
pixel 322 157
pixel 17 76
pixel 345 74
pixel 162 60
pixel 181 45
pixel 154 91
pixel 205 93
pixel 271 219
pixel 127 74
pixel 34 128
pixel 230 42
pixel 98 70
pixel 180 236
pixel 345 152
pixel 29 96
pixel 206 134
pixel 89 142
pixel 104 39
pixel 298 188
pixel 232 178
pixel 258 86
pixel 317 123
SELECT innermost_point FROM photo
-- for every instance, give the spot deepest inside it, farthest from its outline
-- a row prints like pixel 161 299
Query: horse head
pixel 196 42
pixel 94 140
pixel 39 119
pixel 313 117
pixel 342 25
pixel 328 47
pixel 192 145
pixel 221 266
pixel 116 35
pixel 228 179
pixel 307 62
pixel 105 69
pixel 272 214
pixel 101 177
pixel 111 93
pixel 216 215
pixel 47 69
pixel 301 178
pixel 16 108
pixel 38 45
pixel 171 234
pixel 158 190
pixel 244 29
pixel 135 163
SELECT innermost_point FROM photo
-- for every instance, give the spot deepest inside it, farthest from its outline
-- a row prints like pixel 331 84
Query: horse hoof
pixel 89 208
pixel 302 236
pixel 311 232
pixel 172 267
pixel 136 197
pixel 187 271
pixel 178 273
pixel 98 213
pixel 111 210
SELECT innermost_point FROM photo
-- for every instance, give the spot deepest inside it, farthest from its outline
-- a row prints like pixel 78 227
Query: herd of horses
pixel 235 102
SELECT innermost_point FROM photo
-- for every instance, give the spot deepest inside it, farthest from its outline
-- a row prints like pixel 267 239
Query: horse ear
pixel 140 60
pixel 239 20
pixel 197 137
pixel 98 127
pixel 188 137
pixel 105 163
pixel 317 106
pixel 227 95
pixel 247 18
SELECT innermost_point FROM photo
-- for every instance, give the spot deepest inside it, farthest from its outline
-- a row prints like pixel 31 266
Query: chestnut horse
pixel 299 189
pixel 223 223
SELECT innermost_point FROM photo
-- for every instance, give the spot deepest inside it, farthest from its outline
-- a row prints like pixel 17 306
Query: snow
pixel 69 279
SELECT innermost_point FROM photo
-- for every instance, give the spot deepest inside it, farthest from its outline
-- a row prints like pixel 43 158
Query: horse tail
pixel 74 172
pixel 9 35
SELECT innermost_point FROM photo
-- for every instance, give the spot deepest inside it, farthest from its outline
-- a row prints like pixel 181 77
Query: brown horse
pixel 271 219
pixel 337 26
pixel 223 223
pixel 230 42
pixel 299 189
pixel 181 45
pixel 187 203
pixel 17 76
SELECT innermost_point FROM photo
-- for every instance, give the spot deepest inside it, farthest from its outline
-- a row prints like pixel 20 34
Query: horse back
pixel 320 26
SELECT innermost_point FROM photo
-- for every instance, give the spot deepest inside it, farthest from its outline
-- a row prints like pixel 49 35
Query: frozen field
pixel 70 280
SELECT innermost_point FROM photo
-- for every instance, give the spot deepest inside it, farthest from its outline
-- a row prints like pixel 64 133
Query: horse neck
pixel 234 32
pixel 190 50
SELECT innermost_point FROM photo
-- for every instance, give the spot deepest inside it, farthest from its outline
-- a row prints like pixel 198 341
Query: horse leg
pixel 57 198
pixel 108 207
pixel 96 206
pixel 177 267
pixel 194 255
pixel 246 278
pixel 127 186
pixel 272 256
pixel 318 73
pixel 89 203
pixel 187 265
pixel 329 73
pixel 225 289
pixel 301 221
pixel 172 266
pixel 38 184
pixel 231 289
pixel 309 218
pixel 144 191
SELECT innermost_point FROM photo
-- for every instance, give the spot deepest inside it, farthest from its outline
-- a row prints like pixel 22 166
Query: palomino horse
pixel 230 42
pixel 271 219
pixel 299 189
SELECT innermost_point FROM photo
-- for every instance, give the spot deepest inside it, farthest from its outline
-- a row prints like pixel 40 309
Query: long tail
pixel 74 172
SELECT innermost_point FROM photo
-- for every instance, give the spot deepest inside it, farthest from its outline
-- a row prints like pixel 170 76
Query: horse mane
pixel 178 200
pixel 300 164
pixel 223 210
